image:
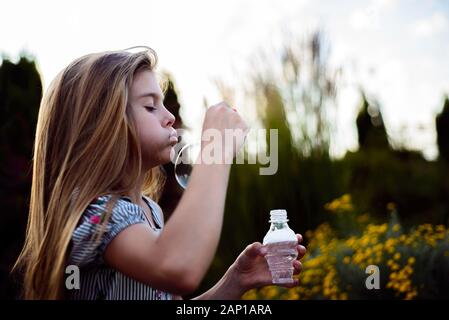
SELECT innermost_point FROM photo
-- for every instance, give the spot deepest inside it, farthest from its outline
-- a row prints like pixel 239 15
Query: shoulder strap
pixel 157 214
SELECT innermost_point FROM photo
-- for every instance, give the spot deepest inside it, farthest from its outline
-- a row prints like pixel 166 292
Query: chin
pixel 163 158
pixel 172 155
pixel 168 156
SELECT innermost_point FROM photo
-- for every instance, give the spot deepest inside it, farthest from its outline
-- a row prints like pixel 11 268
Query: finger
pixel 255 249
pixel 293 284
pixel 299 236
pixel 301 251
pixel 297 265
pixel 225 104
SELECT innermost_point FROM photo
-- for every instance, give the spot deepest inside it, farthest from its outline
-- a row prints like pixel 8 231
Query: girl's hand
pixel 222 120
pixel 251 269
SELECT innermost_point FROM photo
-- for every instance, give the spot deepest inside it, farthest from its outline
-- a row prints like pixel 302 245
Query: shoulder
pixel 119 208
pixel 105 216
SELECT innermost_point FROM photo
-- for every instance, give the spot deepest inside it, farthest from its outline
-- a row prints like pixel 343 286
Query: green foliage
pixel 442 126
pixel 306 176
pixel 411 264
pixel 301 108
pixel 370 127
pixel 20 95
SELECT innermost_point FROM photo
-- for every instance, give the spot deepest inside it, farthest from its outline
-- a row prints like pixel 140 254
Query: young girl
pixel 102 134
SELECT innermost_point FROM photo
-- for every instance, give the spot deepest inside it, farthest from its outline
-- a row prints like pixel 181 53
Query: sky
pixel 395 49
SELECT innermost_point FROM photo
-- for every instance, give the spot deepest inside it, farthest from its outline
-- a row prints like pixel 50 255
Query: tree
pixel 442 126
pixel 370 127
pixel 20 95
pixel 292 92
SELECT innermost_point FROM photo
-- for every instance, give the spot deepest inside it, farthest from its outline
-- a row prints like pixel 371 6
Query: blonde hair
pixel 86 145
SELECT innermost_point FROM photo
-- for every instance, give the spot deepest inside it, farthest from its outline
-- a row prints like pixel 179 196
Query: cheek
pixel 155 152
pixel 154 143
pixel 153 139
pixel 149 141
pixel 146 136
pixel 148 132
pixel 149 147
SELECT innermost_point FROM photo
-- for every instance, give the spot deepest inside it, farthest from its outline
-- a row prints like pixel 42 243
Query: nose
pixel 169 119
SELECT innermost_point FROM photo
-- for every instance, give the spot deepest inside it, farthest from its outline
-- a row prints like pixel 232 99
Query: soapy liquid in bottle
pixel 280 258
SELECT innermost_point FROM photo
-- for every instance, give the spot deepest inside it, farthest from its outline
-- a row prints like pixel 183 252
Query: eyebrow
pixel 152 95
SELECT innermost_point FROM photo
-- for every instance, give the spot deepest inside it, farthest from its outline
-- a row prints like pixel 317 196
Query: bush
pixel 412 265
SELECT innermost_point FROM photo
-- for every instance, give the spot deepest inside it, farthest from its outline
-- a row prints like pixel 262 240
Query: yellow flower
pixel 403 288
pixel 339 205
pixel 363 218
pixel 321 277
pixel 346 198
pixel 431 241
pixel 408 270
pixel 410 295
pixel 269 292
pixel 344 296
pixel 391 206
pixel 292 295
pixel 250 295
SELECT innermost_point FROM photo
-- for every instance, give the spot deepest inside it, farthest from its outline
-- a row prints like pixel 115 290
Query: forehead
pixel 144 82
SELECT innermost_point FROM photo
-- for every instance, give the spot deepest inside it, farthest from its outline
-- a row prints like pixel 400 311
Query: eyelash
pixel 150 108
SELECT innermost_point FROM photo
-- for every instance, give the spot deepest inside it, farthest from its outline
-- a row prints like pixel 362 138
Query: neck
pixel 136 192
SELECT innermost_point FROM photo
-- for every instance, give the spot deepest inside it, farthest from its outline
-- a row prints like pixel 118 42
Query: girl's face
pixel 154 122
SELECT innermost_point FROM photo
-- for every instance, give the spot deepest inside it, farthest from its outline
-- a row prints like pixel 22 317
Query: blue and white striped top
pixel 98 281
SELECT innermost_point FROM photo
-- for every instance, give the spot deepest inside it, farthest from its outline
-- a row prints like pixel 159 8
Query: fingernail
pixel 263 250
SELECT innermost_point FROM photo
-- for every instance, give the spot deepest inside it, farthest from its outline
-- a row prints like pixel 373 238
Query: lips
pixel 173 137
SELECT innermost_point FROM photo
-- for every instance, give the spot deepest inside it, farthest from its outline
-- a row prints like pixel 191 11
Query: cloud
pixel 368 18
pixel 430 26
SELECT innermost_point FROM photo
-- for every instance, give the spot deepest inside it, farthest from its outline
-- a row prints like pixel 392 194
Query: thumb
pixel 255 249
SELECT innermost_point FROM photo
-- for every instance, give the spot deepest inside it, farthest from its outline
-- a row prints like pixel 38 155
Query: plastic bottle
pixel 281 243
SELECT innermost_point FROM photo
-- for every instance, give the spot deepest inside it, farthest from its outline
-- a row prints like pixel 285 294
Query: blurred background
pixel 357 89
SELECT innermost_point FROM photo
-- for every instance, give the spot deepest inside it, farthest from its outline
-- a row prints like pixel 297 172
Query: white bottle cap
pixel 278 215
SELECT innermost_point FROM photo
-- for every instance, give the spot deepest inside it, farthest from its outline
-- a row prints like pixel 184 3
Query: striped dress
pixel 98 281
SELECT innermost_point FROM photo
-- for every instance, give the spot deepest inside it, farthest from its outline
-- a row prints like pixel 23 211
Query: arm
pixel 177 260
pixel 228 288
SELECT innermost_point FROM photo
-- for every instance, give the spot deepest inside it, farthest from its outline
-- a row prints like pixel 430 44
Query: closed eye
pixel 150 108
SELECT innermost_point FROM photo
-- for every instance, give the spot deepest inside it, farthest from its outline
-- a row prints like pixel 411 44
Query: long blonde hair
pixel 86 146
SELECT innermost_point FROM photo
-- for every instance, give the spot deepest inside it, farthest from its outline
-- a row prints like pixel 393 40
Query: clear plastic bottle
pixel 281 243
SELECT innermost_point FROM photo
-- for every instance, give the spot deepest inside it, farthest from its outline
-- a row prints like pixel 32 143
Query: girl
pixel 102 134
